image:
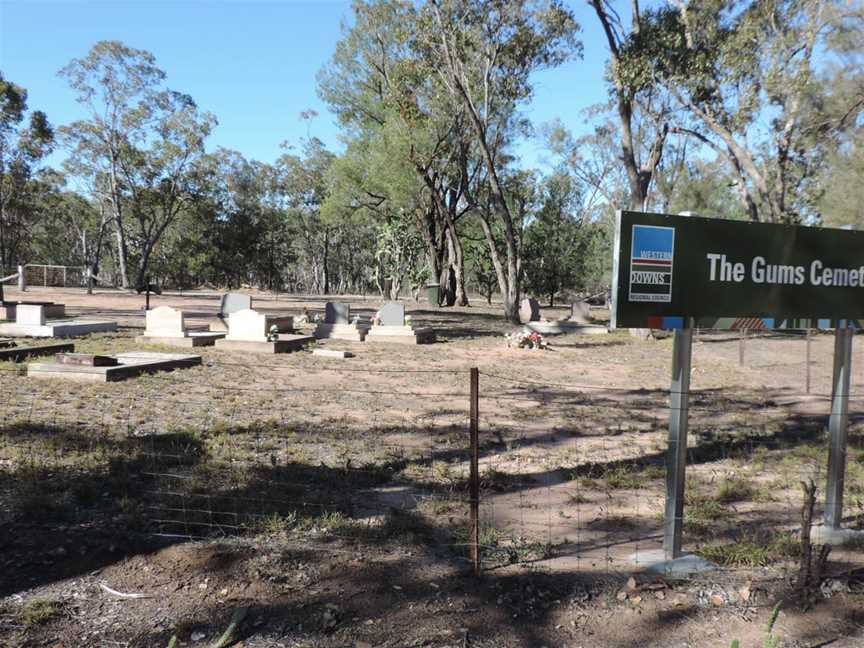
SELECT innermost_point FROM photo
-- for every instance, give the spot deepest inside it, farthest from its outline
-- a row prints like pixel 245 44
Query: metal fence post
pixel 676 457
pixel 474 480
pixel 837 426
pixel 807 381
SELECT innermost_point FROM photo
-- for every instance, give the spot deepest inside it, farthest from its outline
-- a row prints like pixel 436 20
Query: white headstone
pixel 247 325
pixel 164 321
pixel 392 314
pixel 30 314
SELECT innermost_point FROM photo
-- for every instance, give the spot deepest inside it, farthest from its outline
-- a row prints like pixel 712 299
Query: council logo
pixel 651 258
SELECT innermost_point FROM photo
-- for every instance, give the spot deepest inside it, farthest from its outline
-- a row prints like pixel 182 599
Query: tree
pixel 21 148
pixel 398 119
pixel 746 75
pixel 299 189
pixel 552 238
pixel 637 100
pixel 137 148
pixel 483 53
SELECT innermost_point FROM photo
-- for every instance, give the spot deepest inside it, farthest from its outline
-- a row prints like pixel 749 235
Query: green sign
pixel 676 271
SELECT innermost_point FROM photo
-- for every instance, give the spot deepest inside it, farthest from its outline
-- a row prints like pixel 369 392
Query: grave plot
pixel 98 368
pixel 579 320
pixel 166 325
pixel 14 353
pixel 8 309
pixel 30 321
pixel 249 330
pixel 391 325
pixel 338 325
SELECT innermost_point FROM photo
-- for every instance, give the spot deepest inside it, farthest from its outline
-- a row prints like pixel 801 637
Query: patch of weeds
pixel 441 505
pixel 277 523
pixel 702 517
pixel 754 551
pixel 734 489
pixel 38 612
pixel 623 478
pixel 653 471
pixel 501 546
pixel 578 498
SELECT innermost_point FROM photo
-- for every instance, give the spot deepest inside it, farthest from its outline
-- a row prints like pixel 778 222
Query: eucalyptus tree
pixel 747 76
pixel 483 53
pixel 378 85
pixel 22 146
pixel 641 106
pixel 299 188
pixel 137 147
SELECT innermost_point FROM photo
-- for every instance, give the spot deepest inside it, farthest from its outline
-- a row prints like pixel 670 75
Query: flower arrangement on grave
pixel 376 318
pixel 407 320
pixel 356 320
pixel 525 340
pixel 273 334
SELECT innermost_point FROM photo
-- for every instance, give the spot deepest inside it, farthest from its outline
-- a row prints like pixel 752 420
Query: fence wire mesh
pixel 572 474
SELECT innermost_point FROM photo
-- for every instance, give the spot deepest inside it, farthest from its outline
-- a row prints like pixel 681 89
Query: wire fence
pixel 569 475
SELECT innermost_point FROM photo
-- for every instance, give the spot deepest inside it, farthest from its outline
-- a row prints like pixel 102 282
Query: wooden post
pixel 22 280
pixel 807 379
pixel 147 304
pixel 474 480
pixel 742 339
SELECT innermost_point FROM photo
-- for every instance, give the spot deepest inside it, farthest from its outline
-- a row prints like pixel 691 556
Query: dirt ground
pixel 330 496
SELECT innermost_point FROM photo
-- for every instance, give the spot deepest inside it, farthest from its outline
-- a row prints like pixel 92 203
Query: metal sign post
pixel 676 457
pixel 837 426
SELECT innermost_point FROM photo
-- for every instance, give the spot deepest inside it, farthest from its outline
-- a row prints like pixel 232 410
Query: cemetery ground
pixel 329 496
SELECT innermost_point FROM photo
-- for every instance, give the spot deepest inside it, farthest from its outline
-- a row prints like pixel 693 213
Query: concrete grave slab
pixel 58 328
pixel 167 326
pixel 561 327
pixel 284 344
pixel 332 353
pixel 9 309
pixel 30 315
pixel 128 365
pixel 337 324
pixel 86 360
pixel 21 353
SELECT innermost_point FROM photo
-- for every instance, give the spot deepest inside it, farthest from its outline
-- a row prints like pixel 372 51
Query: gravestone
pixel 580 312
pixel 30 314
pixel 337 313
pixel 392 314
pixel 248 325
pixel 164 321
pixel 529 311
pixel 233 302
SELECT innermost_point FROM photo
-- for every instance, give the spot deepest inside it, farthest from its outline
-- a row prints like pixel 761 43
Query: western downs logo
pixel 651 258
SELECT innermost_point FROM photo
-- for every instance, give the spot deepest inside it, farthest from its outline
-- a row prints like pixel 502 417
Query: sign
pixel 674 271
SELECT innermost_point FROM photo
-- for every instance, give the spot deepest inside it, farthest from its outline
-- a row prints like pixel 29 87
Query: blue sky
pixel 252 64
